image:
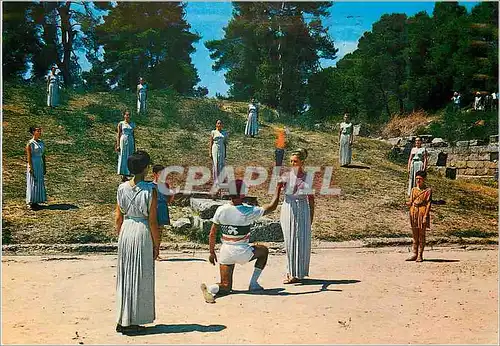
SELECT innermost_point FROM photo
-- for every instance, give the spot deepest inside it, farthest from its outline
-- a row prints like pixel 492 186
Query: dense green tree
pixel 62 30
pixel 19 41
pixel 406 64
pixel 150 40
pixel 419 84
pixel 270 50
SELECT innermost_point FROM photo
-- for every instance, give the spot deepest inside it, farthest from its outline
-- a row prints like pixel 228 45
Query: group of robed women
pixel 137 201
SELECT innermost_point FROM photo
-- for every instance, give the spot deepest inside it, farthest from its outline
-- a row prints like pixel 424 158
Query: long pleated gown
pixel 35 183
pixel 53 91
pixel 345 150
pixel 127 146
pixel 218 153
pixel 135 279
pixel 252 125
pixel 295 221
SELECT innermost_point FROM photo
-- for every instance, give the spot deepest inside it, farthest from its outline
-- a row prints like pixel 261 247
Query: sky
pixel 346 24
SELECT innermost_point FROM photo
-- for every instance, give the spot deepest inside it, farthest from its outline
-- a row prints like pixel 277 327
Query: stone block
pixel 201 224
pixel 451 157
pixel 475 142
pixel 426 138
pixel 182 198
pixel 470 171
pixel 461 164
pixel 461 171
pixel 473 157
pixel 477 150
pixel 438 142
pixel 206 207
pixel 266 230
pixel 481 171
pixel 491 165
pixel 462 144
pixel 492 148
pixel 439 171
pixel 394 141
pixel 492 171
pixel 483 156
pixel 475 164
pixel 182 225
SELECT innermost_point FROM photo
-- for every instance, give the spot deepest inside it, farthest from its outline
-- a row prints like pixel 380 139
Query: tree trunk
pixel 386 101
pixel 67 42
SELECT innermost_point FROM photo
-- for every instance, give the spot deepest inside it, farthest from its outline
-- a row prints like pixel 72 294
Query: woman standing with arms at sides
pixel 296 218
pixel 36 169
pixel 345 140
pixel 218 146
pixel 416 162
pixel 252 126
pixel 142 95
pixel 138 247
pixel 125 144
pixel 420 207
pixel 52 88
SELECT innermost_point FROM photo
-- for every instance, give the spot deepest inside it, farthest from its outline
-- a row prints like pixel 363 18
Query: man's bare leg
pixel 260 253
pixel 219 289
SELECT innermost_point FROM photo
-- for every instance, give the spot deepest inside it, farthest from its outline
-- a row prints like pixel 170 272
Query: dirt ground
pixel 355 295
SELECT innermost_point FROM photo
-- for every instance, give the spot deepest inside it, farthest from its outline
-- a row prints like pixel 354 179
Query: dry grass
pixel 406 125
pixel 82 170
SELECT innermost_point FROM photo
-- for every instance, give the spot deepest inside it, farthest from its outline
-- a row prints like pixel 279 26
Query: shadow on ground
pixel 356 166
pixel 305 282
pixel 178 328
pixel 182 260
pixel 62 206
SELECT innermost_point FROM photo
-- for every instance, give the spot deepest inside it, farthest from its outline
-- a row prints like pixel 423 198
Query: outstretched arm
pixel 269 208
pixel 211 239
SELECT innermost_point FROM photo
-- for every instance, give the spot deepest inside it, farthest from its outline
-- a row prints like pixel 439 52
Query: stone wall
pixel 198 221
pixel 466 159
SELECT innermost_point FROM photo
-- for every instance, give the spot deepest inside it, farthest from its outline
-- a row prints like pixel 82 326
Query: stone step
pixel 206 208
pixel 264 230
pixel 267 230
pixel 182 198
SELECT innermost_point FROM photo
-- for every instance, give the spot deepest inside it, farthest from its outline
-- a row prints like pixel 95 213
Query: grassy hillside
pixel 81 179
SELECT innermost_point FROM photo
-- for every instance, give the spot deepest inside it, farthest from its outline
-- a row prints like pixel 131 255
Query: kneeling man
pixel 234 220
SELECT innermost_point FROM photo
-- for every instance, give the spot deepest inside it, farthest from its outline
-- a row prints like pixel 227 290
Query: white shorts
pixel 235 253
